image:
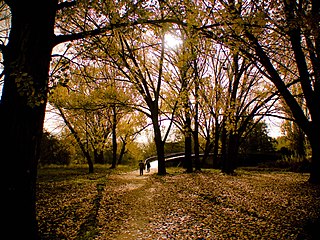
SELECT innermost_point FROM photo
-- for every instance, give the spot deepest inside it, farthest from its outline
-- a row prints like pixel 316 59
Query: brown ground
pixel 135 193
pixel 207 205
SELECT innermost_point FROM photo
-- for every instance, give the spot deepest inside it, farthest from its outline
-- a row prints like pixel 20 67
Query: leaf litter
pixel 205 205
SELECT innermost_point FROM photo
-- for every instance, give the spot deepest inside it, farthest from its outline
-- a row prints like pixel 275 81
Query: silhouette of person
pixel 141 167
pixel 148 166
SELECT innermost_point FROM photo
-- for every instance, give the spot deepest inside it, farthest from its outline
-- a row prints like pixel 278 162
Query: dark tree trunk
pixel 159 145
pixel 89 161
pixel 160 153
pixel 315 160
pixel 196 143
pixel 114 138
pixel 22 110
pixel 216 145
pixel 196 151
pixel 223 146
pixel 229 164
pixel 299 141
pixel 207 150
pixel 161 158
pixel 188 145
pixel 122 150
pixel 196 127
pixel 315 164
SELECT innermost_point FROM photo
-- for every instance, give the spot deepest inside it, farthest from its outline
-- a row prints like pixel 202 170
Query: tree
pixel 273 33
pixel 248 99
pixel 23 101
pixel 26 63
pixel 257 140
pixel 92 104
pixel 141 65
pixel 292 132
pixel 53 151
pixel 299 29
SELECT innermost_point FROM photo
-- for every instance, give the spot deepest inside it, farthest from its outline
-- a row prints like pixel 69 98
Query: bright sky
pixel 171 41
pixel 274 126
pixel 52 121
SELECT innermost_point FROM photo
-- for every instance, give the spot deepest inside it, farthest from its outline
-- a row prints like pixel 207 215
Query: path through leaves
pixel 207 205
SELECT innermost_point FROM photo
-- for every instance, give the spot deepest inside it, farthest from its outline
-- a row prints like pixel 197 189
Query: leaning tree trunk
pixel 83 148
pixel 22 110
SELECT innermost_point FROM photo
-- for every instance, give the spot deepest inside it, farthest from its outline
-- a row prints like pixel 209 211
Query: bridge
pixel 171 157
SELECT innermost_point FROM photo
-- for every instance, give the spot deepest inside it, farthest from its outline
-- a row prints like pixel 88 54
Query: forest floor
pixel 206 205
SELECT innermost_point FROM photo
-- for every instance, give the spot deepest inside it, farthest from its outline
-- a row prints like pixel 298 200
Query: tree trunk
pixel 188 146
pixel 22 110
pixel 207 150
pixel 196 143
pixel 159 146
pixel 161 158
pixel 299 141
pixel 315 164
pixel 196 151
pixel 223 146
pixel 315 160
pixel 122 150
pixel 160 155
pixel 229 164
pixel 196 128
pixel 114 137
pixel 216 146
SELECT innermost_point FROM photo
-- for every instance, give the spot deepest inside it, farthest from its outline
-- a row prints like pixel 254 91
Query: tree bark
pixel 114 137
pixel 122 150
pixel 160 151
pixel 215 158
pixel 196 146
pixel 229 164
pixel 188 145
pixel 315 160
pixel 223 146
pixel 22 111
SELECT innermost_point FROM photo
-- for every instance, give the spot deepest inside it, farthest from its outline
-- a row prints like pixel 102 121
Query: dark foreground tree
pixel 26 60
pixel 26 66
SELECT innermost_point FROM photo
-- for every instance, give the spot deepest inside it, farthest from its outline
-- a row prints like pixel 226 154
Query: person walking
pixel 141 167
pixel 148 166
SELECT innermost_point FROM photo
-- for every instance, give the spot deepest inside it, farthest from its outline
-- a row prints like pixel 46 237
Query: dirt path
pixel 142 203
pixel 133 207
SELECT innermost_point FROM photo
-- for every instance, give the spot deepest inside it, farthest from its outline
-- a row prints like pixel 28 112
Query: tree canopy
pixel 270 51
